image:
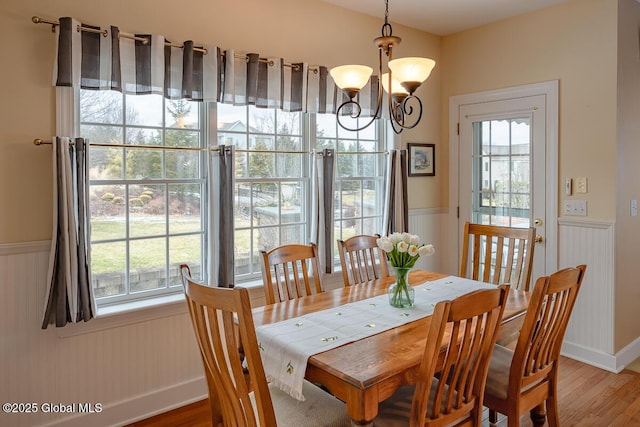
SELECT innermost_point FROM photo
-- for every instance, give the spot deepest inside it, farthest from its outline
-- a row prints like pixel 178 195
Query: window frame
pixel 135 299
pixel 68 123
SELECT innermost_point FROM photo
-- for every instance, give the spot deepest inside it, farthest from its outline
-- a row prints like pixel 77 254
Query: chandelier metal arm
pixel 401 105
pixel 357 105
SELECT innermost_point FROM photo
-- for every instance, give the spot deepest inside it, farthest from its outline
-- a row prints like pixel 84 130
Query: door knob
pixel 537 222
pixel 538 238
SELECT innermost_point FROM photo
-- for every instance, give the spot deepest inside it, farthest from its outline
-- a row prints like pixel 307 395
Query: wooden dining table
pixel 365 372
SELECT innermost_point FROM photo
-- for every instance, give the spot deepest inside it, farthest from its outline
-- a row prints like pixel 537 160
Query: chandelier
pixel 405 75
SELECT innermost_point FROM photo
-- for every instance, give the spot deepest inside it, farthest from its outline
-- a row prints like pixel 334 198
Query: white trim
pixel 590 356
pixel 128 313
pixel 24 247
pixel 430 211
pixel 140 407
pixel 550 90
pixel 609 362
pixel 574 222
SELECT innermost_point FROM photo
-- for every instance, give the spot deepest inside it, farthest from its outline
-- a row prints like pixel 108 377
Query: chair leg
pixel 493 417
pixel 538 415
pixel 552 411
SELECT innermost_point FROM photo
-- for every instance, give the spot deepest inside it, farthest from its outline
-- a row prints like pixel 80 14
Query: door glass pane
pixel 501 171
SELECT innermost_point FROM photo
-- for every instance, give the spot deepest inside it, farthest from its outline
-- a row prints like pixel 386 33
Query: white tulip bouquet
pixel 403 250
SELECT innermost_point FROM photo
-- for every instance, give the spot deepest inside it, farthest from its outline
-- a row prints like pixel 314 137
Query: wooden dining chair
pixel 498 255
pixel 285 272
pixel 361 259
pixel 238 391
pixel 526 378
pixel 451 378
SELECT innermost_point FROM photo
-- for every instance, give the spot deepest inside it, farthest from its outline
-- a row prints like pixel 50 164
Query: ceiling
pixel 443 17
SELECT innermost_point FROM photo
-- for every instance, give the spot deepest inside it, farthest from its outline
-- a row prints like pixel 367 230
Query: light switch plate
pixel 581 184
pixel 568 186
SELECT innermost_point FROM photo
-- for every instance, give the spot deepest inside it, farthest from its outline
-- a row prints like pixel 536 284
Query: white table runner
pixel 286 346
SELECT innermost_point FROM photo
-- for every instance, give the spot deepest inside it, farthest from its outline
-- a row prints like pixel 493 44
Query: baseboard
pixel 590 356
pixel 628 354
pixel 140 407
pixel 609 362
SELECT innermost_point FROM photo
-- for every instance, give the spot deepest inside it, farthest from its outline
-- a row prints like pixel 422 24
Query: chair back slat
pixel 223 324
pixel 498 255
pixel 362 260
pixel 459 345
pixel 286 275
pixel 545 323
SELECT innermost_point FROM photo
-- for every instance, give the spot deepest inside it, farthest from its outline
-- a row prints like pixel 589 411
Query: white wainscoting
pixel 590 333
pixel 147 367
pixel 134 371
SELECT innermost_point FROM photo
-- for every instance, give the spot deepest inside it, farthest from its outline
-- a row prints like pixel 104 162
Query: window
pixel 359 198
pixel 148 205
pixel 148 185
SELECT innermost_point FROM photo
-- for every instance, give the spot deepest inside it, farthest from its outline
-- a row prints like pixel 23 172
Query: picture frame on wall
pixel 422 159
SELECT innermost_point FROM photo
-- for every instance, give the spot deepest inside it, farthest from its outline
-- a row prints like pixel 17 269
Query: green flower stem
pixel 400 295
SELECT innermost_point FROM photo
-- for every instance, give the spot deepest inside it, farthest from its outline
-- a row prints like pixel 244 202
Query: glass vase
pixel 401 293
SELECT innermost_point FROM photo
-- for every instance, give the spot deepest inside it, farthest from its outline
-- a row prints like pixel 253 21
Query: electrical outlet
pixel 574 207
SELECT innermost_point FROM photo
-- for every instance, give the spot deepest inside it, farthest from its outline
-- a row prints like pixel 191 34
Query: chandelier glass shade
pixel 404 76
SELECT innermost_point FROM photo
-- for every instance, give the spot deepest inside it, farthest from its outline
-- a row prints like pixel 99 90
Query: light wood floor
pixel 588 396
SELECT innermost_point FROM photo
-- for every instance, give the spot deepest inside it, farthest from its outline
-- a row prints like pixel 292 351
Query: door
pixel 503 175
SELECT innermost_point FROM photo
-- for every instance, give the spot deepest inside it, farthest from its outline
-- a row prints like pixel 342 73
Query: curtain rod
pixel 145 40
pixel 39 141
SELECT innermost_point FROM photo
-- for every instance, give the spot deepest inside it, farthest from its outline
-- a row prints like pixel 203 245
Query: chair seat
pixel 498 377
pixel 319 409
pixel 396 410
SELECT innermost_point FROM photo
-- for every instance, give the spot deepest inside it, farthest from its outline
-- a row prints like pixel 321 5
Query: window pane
pixel 108 268
pixel 147 216
pixel 182 114
pixel 147 264
pixel 288 123
pixel 145 110
pixel 144 163
pixel 107 206
pixel 182 164
pixel 185 250
pixel 101 106
pixel 106 163
pixel 325 126
pixel 243 251
pixel 268 238
pixel 102 134
pixel 231 118
pixel 182 138
pixel 262 120
pixel 184 208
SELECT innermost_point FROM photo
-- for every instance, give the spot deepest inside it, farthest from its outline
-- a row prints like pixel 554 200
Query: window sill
pixel 128 313
pixel 124 314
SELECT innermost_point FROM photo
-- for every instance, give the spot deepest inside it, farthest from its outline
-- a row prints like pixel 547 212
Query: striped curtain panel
pixel 322 206
pixel 90 60
pixel 69 291
pixel 396 209
pixel 221 246
pixel 149 64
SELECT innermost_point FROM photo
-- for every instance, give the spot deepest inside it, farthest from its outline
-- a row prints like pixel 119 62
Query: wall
pixel 579 44
pixel 140 368
pixel 628 175
pixel 575 43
